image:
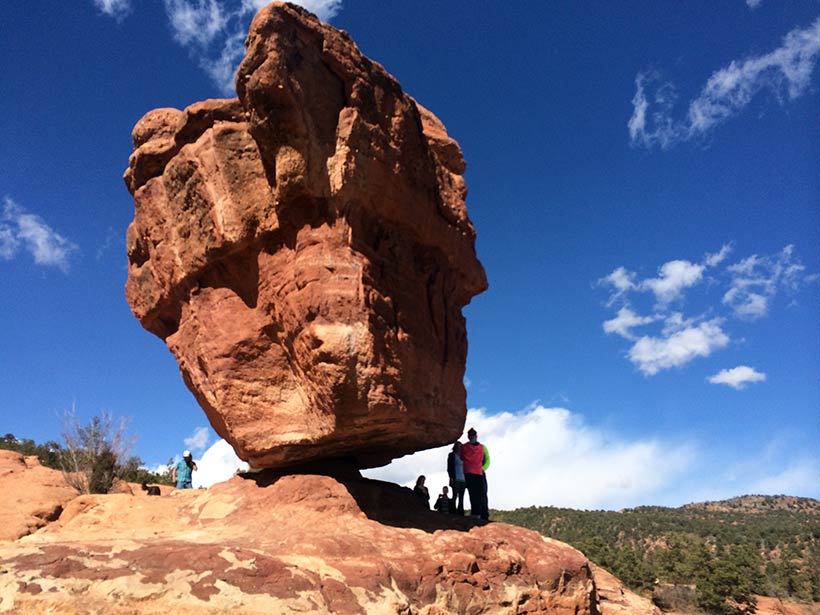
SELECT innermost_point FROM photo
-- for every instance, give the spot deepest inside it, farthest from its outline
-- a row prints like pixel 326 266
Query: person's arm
pixel 174 475
pixel 193 465
pixel 486 463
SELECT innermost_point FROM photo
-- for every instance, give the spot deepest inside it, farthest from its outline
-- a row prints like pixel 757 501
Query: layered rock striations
pixel 305 252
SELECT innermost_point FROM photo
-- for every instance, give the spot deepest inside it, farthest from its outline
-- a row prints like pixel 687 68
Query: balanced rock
pixel 305 252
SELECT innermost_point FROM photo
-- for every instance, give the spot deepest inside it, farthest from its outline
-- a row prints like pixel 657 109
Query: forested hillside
pixel 714 555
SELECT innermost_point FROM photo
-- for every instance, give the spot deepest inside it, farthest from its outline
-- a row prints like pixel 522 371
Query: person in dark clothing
pixel 444 503
pixel 421 491
pixel 455 470
pixel 476 459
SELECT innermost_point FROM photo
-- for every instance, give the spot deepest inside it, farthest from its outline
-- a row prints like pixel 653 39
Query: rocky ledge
pixel 306 543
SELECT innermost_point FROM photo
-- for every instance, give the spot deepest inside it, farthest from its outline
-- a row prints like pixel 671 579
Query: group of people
pixel 466 467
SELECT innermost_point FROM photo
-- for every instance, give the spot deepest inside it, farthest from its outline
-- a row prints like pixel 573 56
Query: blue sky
pixel 645 185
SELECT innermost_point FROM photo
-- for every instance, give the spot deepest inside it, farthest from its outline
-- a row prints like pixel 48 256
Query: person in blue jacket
pixel 183 471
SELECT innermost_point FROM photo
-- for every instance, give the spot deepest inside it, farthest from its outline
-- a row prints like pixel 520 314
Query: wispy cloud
pixel 625 321
pixel 549 456
pixel 118 9
pixel 196 21
pixel 673 278
pixel 753 4
pixel 214 31
pixel 757 279
pixel 23 231
pixel 621 280
pixel 737 377
pixel 800 477
pixel 199 439
pixel 713 260
pixel 785 71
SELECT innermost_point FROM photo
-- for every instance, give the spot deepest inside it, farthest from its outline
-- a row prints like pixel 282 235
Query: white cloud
pixel 625 321
pixel 785 71
pixel 621 280
pixel 195 21
pixel 218 463
pixel 548 456
pixel 323 9
pixel 753 4
pixel 677 347
pixel 664 131
pixel 117 9
pixel 156 468
pixel 673 278
pixel 199 440
pixel 713 260
pixel 753 282
pixel 737 377
pixel 22 230
pixel 214 31
pixel 799 477
pixel 756 279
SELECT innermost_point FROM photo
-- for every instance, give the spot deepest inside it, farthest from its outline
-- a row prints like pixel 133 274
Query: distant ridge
pixel 759 504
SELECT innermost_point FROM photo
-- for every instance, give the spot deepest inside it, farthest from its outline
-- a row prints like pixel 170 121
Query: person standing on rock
pixel 476 459
pixel 455 470
pixel 421 491
pixel 183 471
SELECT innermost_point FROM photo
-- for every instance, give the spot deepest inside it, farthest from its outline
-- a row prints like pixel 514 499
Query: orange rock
pixel 32 495
pixel 775 606
pixel 293 543
pixel 305 253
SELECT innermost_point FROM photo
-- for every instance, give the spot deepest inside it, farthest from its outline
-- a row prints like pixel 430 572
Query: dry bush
pixel 93 453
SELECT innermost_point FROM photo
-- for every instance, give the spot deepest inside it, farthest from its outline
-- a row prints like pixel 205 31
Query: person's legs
pixel 475 485
pixel 458 496
pixel 485 509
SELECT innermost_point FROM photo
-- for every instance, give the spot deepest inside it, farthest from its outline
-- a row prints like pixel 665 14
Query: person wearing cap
pixel 183 470
pixel 476 460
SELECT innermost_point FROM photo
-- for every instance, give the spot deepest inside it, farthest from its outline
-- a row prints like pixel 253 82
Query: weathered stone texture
pixel 305 252
pixel 294 543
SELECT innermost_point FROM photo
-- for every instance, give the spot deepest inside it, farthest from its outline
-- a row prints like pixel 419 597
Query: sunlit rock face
pixel 305 252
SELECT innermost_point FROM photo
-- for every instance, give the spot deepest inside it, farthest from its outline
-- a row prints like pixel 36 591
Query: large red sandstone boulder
pixel 31 495
pixel 295 543
pixel 305 252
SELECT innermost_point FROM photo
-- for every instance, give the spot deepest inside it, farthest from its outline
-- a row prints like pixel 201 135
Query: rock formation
pixel 32 495
pixel 305 252
pixel 293 543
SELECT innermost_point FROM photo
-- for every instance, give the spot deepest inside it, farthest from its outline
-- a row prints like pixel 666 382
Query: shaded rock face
pixel 295 543
pixel 305 252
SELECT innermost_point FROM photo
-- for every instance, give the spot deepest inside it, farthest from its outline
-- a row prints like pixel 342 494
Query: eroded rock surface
pixel 293 543
pixel 30 495
pixel 305 252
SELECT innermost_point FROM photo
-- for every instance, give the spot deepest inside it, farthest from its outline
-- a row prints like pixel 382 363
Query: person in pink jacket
pixel 476 459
